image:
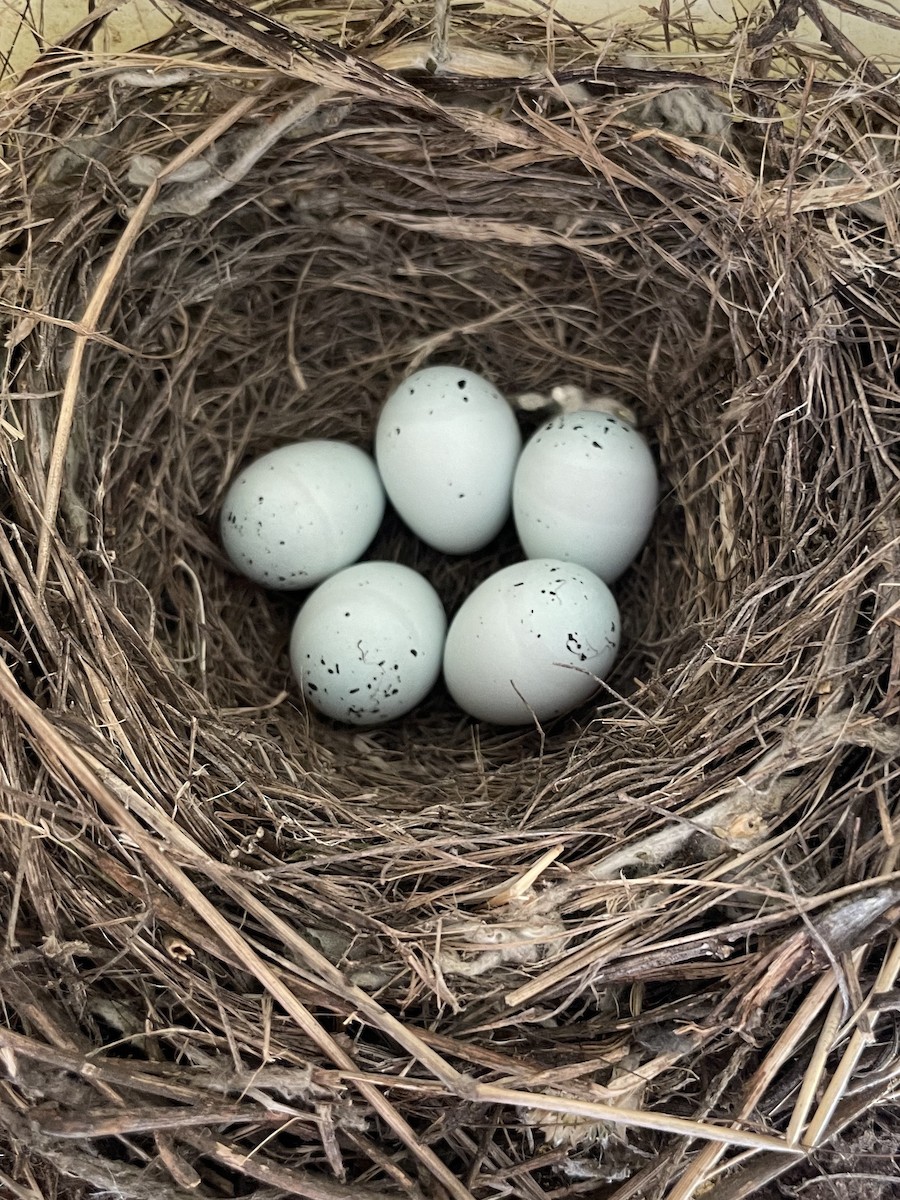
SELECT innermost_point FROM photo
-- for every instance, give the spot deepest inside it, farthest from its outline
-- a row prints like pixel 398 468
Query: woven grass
pixel 643 952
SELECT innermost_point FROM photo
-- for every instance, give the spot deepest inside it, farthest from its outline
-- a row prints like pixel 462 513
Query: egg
pixel 366 646
pixel 585 490
pixel 446 445
pixel 531 642
pixel 298 514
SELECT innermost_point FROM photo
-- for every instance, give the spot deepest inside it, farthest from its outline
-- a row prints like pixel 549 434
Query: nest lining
pixel 623 909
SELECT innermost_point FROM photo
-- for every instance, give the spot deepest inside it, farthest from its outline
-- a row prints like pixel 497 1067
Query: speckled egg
pixel 446 446
pixel 298 514
pixel 366 646
pixel 585 490
pixel 531 643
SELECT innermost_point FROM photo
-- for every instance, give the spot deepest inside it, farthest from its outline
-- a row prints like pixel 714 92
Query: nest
pixel 644 951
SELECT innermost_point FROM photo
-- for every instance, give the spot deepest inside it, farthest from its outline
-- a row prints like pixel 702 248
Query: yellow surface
pixel 28 25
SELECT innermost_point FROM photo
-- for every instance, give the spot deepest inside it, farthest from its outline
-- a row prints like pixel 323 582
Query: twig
pixel 862 1036
pixel 274 1174
pixel 698 1172
pixel 440 40
pixel 593 1111
pixel 812 1076
pixel 764 1168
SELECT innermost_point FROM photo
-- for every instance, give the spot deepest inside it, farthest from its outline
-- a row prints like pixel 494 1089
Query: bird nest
pixel 643 951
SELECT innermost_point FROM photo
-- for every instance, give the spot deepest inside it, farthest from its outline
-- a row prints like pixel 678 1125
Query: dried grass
pixel 248 953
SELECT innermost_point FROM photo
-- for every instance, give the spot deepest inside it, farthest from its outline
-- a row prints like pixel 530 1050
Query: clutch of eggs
pixel 529 644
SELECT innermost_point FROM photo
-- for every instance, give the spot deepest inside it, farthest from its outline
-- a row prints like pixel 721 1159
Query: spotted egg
pixel 299 513
pixel 585 490
pixel 446 446
pixel 366 646
pixel 532 642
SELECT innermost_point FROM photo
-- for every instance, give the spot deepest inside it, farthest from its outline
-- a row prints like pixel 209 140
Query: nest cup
pixel 438 955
